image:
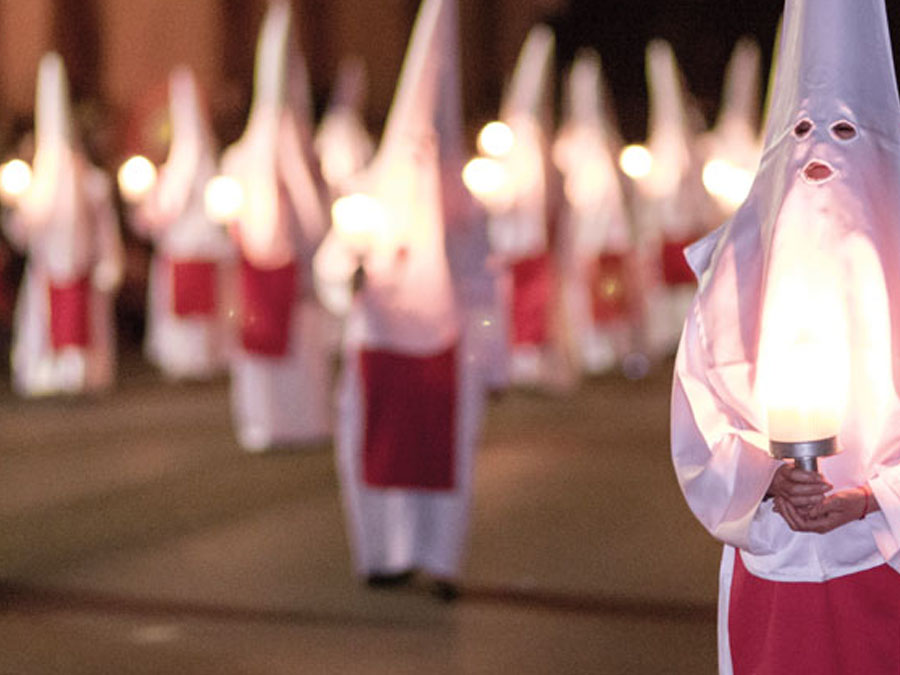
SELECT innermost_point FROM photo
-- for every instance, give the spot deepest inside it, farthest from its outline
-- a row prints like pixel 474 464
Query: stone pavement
pixel 135 537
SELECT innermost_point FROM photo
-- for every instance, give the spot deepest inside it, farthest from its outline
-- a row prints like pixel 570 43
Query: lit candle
pixel 359 221
pixel 136 178
pixel 15 179
pixel 223 198
pixel 636 161
pixel 804 367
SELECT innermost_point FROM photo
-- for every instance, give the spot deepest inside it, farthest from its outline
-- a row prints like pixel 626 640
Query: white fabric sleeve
pixel 885 483
pixel 721 465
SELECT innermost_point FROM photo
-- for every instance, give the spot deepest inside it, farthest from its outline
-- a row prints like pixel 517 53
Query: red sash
pixel 193 287
pixel 267 298
pixel 532 289
pixel 410 419
pixel 70 314
pixel 676 270
pixel 609 288
pixel 846 625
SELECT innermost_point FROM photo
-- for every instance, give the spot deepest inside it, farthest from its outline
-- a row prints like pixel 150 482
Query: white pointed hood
pixel 669 138
pixel 529 90
pixel 740 94
pixel 585 151
pixel 270 160
pixel 822 221
pixel 521 230
pixel 54 202
pixel 342 142
pixel 408 299
pixel 190 163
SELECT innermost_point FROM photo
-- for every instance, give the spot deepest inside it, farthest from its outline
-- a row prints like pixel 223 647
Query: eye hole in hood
pixel 843 130
pixel 803 128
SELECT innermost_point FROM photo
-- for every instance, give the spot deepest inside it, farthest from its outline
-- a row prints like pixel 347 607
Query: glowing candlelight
pixel 489 181
pixel 223 198
pixel 136 178
pixel 636 161
pixel 728 183
pixel 496 139
pixel 15 179
pixel 359 220
pixel 804 367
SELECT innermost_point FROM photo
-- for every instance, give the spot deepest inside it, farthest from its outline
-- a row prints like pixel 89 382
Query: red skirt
pixel 267 300
pixel 841 626
pixel 70 314
pixel 193 287
pixel 532 281
pixel 410 434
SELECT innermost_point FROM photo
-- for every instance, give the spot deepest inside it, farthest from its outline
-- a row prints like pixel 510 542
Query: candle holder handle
pixel 807 464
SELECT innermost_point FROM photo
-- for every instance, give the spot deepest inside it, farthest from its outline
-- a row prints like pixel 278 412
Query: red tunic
pixel 842 626
pixel 410 434
pixel 267 300
pixel 70 314
pixel 193 287
pixel 532 290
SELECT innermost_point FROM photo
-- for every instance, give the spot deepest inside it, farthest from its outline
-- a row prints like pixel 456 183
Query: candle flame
pixel 15 179
pixel 636 161
pixel 804 356
pixel 136 178
pixel 223 199
pixel 496 139
pixel 728 183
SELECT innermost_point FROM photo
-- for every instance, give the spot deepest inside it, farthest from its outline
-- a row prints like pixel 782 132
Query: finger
pixel 807 477
pixel 805 501
pixel 806 488
pixel 790 516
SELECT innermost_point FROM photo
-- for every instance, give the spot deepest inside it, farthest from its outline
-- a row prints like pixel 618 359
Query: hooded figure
pixel 188 291
pixel 342 142
pixel 523 228
pixel 668 203
pixel 410 393
pixel 280 369
pixel 596 233
pixel 800 294
pixel 733 146
pixel 65 223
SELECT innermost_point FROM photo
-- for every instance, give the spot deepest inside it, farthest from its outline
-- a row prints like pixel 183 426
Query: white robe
pixel 38 369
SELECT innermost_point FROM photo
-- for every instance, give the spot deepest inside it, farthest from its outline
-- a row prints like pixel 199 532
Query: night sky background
pixel 702 33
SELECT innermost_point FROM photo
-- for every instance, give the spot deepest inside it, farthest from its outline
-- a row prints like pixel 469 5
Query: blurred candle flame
pixel 15 179
pixel 496 139
pixel 136 178
pixel 636 161
pixel 359 220
pixel 223 198
pixel 728 183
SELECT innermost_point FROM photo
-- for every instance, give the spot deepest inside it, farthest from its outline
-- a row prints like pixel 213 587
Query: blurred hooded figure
pixel 733 146
pixel 668 203
pixel 280 370
pixel 410 394
pixel 596 237
pixel 65 222
pixel 342 142
pixel 800 292
pixel 188 296
pixel 523 226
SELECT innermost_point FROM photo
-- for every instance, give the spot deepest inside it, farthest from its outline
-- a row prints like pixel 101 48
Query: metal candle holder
pixel 804 453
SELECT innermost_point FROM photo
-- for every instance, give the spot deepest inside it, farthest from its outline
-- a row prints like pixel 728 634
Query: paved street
pixel 135 537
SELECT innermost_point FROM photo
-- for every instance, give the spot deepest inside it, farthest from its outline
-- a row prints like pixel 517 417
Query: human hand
pixel 835 510
pixel 802 489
